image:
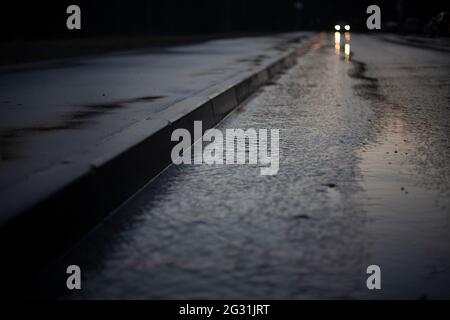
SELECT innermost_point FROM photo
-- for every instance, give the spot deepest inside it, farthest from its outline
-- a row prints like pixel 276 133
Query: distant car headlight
pixel 337 27
pixel 347 27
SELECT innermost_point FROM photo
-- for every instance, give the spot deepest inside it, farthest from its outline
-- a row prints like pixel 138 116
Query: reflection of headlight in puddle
pixel 337 37
pixel 347 36
pixel 337 42
pixel 347 50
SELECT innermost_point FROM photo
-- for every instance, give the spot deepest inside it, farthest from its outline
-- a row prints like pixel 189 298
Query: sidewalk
pixel 78 137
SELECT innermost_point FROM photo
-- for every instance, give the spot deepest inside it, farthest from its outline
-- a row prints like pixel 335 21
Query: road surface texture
pixel 56 110
pixel 364 180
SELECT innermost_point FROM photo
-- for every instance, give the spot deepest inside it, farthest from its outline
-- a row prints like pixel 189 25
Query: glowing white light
pixel 347 49
pixel 337 37
pixel 337 42
pixel 337 27
pixel 347 27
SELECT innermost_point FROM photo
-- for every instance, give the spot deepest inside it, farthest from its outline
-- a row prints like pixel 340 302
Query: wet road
pixel 89 100
pixel 364 179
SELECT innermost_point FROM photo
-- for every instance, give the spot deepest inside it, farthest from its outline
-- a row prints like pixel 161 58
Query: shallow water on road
pixel 350 140
pixel 406 175
pixel 408 229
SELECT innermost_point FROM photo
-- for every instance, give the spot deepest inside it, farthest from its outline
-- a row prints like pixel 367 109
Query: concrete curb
pixel 49 219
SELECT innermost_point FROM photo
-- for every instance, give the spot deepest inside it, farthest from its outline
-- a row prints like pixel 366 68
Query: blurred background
pixel 22 20
pixel 36 31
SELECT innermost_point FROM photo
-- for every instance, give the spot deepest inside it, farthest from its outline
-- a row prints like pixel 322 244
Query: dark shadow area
pixel 33 31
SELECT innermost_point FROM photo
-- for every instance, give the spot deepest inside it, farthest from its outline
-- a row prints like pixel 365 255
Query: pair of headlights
pixel 338 27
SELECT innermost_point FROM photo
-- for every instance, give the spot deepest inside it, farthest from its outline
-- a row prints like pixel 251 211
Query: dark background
pixel 22 20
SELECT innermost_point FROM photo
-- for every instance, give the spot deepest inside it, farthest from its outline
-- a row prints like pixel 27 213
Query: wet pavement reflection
pixel 364 179
pixel 346 44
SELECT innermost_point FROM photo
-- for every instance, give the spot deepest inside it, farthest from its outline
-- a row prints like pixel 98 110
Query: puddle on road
pixel 408 226
pixel 346 45
pixel 408 223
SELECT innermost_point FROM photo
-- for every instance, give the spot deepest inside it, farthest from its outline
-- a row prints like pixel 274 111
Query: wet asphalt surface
pixel 364 179
pixel 88 100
